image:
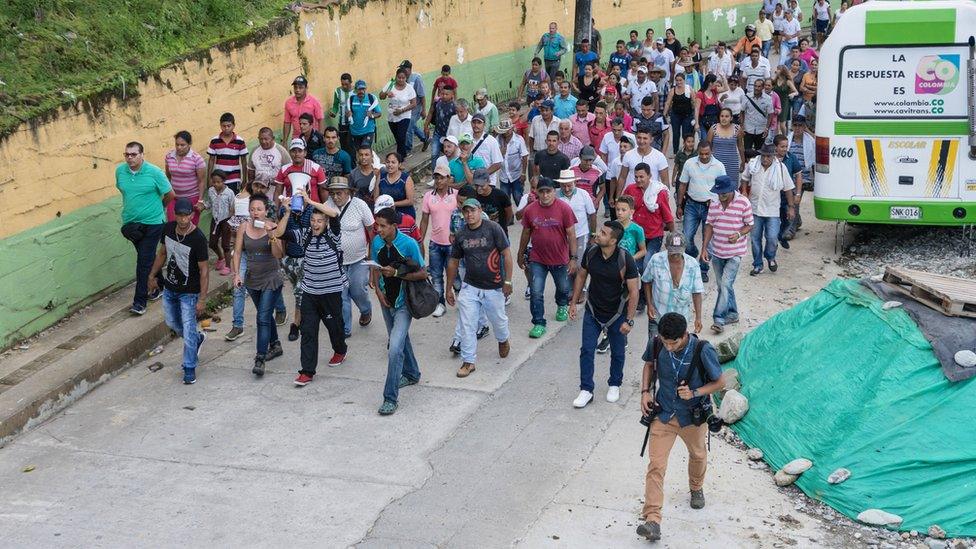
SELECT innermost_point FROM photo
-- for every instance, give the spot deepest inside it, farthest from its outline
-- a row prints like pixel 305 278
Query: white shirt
pixel 655 159
pixel 638 92
pixel 761 70
pixel 732 99
pixel 515 151
pixel 720 65
pixel 457 128
pixel 398 100
pixel 611 147
pixel 663 59
pixel 490 152
pixel 790 28
pixel 822 11
pixel 766 184
pixel 583 207
pixel 538 130
pixel 353 224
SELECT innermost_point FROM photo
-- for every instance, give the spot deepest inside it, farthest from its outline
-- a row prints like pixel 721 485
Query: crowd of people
pixel 693 157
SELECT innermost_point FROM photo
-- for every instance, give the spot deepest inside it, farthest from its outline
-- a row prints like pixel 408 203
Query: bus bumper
pixel 879 211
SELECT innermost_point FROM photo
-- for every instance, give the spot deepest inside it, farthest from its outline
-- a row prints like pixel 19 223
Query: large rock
pixel 798 466
pixel 966 358
pixel 734 406
pixel 877 517
pixel 936 531
pixel 728 348
pixel 839 476
pixel 782 478
pixel 755 454
pixel 731 378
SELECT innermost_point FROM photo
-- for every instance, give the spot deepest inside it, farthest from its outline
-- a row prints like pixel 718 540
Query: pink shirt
pixel 294 109
pixel 581 126
pixel 725 222
pixel 439 210
pixel 183 173
pixel 570 148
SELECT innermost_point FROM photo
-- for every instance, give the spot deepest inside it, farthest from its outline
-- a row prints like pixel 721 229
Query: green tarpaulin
pixel 840 381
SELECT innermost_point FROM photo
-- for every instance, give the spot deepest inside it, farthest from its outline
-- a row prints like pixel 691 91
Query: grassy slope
pixel 53 52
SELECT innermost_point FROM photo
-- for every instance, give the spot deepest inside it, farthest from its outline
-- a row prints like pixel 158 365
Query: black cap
pixel 299 80
pixel 544 183
pixel 183 206
pixel 406 64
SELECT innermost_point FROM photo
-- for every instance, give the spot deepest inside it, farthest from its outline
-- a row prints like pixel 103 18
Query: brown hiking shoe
pixel 503 348
pixel 465 369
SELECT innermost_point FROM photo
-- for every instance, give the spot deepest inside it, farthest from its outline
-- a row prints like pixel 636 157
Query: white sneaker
pixel 613 394
pixel 439 311
pixel 583 399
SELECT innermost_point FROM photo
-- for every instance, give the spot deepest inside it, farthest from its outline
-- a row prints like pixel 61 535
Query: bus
pixel 895 120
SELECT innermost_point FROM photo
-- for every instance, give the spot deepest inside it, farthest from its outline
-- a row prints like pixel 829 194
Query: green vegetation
pixel 57 52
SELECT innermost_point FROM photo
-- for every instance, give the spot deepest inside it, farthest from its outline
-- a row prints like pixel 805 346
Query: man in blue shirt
pixel 621 58
pixel 364 109
pixel 553 46
pixel 584 57
pixel 687 372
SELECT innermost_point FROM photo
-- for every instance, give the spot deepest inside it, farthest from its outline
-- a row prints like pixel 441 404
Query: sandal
pixel 365 319
pixel 718 329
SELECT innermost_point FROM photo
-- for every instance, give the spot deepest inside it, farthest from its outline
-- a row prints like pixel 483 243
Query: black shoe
pixel 650 530
pixel 755 271
pixel 294 332
pixel 154 296
pixel 784 243
pixel 482 332
pixel 799 220
pixel 773 266
pixel 604 345
pixel 258 368
pixel 455 347
pixel 274 351
pixel 704 276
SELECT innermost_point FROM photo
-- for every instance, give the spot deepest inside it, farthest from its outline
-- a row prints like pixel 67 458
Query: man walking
pixel 437 209
pixel 145 193
pixel 488 268
pixel 355 221
pixel 299 103
pixel 767 178
pixel 611 305
pixel 729 221
pixel 340 111
pixel 183 261
pixel 549 224
pixel 694 194
pixel 553 46
pixel 363 110
pixel 673 284
pixel 757 112
pixel 439 116
pixel 687 372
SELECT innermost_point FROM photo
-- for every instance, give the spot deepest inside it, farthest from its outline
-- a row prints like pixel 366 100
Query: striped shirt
pixel 322 272
pixel 183 173
pixel 227 157
pixel 725 222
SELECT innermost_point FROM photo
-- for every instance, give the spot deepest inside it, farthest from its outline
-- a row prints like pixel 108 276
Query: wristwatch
pixel 694 393
pixel 630 322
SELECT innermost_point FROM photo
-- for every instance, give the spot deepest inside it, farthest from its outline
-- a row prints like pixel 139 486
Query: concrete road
pixel 497 459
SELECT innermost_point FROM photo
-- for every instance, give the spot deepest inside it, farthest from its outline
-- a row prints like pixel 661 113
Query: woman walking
pixel 708 105
pixel 398 184
pixel 727 144
pixel 187 173
pixel 258 240
pixel 403 99
pixel 682 104
pixel 588 86
pixel 784 88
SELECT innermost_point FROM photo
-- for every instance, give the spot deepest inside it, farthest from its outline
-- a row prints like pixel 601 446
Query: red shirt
pixel 444 81
pixel 309 167
pixel 597 133
pixel 549 225
pixel 520 127
pixel 651 222
pixel 294 109
pixel 586 180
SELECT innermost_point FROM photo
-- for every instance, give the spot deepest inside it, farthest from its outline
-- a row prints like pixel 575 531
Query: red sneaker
pixel 303 380
pixel 337 359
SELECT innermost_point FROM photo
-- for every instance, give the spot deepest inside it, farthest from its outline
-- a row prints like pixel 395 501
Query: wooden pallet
pixel 949 295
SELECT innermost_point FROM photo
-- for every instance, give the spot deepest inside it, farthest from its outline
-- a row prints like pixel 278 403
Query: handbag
pixel 134 232
pixel 422 298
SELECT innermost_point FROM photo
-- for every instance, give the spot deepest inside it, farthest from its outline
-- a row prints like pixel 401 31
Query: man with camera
pixel 686 372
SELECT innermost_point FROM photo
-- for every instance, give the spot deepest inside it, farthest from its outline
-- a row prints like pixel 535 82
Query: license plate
pixel 906 212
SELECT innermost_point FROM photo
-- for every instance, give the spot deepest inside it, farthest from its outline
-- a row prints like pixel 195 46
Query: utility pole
pixel 583 22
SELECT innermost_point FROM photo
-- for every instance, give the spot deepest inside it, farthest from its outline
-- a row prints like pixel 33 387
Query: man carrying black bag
pixel 687 372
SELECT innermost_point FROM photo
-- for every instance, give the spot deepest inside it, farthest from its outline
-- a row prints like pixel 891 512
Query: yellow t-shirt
pixel 764 29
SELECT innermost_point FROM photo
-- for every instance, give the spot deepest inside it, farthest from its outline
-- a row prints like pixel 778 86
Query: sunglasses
pixel 131 155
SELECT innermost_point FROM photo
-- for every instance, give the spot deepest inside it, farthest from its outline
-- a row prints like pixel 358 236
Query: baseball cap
pixel 443 170
pixel 674 243
pixel 360 84
pixel 470 203
pixel 465 138
pixel 642 68
pixel 183 206
pixel 544 183
pixel 383 202
pixel 480 177
pixel 547 104
pixel 450 139
pixel 478 116
pixel 659 41
pixel 483 92
pixel 299 81
pixel 587 153
pixel 800 119
pixel 297 143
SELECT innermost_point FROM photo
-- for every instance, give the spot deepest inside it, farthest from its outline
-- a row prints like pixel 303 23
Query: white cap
pixel 297 143
pixel 383 201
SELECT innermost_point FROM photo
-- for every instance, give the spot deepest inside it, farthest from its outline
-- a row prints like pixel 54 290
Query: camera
pixel 715 423
pixel 647 418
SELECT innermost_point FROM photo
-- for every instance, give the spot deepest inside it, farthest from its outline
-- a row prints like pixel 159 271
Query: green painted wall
pixel 52 270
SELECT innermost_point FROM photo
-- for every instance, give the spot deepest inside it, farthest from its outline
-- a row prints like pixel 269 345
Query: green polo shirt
pixel 457 168
pixel 142 193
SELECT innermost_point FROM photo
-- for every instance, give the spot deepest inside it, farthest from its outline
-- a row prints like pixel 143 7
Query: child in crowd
pixel 633 237
pixel 687 151
pixel 220 202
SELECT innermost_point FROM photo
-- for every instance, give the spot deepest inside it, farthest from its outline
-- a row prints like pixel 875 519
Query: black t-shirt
pixel 359 182
pixel 313 142
pixel 606 288
pixel 481 249
pixel 181 272
pixel 494 206
pixel 550 164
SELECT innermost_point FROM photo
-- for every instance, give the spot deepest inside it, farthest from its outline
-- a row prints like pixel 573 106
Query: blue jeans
pixel 680 127
pixel 241 293
pixel 435 147
pixel 768 227
pixel 695 215
pixel 401 360
pixel 560 276
pixel 765 48
pixel 618 343
pixel 264 301
pixel 180 311
pixel 415 129
pixel 472 304
pixel 725 271
pixel 513 189
pixel 145 255
pixel 358 275
pixel 438 258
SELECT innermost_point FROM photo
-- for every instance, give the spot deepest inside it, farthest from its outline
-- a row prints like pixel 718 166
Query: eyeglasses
pixel 130 155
